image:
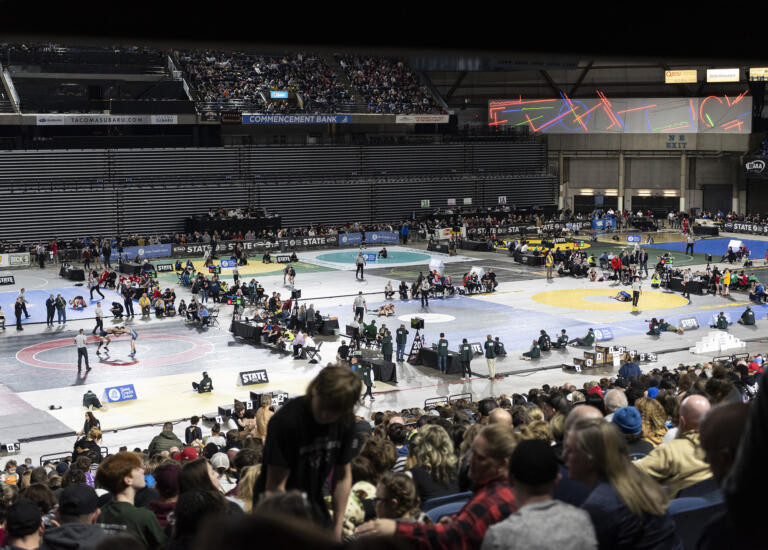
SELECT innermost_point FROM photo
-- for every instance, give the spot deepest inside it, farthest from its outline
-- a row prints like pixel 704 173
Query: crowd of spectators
pixel 591 466
pixel 227 78
pixel 388 85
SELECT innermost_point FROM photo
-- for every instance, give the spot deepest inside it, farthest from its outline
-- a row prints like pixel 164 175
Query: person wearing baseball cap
pixel 540 521
pixel 187 455
pixel 77 513
pixel 24 525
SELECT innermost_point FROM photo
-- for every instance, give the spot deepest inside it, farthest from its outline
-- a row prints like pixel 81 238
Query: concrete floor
pixel 38 365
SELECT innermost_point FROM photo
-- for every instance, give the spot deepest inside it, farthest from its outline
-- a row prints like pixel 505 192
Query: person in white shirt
pixel 309 343
pixel 82 351
pixel 298 343
pixel 99 318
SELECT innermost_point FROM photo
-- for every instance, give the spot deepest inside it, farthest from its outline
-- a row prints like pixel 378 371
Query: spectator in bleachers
pixel 140 522
pixel 492 499
pixel 76 516
pixel 193 509
pixel 320 419
pixel 23 525
pixel 540 522
pixel 627 508
pixel 680 463
pixel 167 484
pixel 388 85
pixel 433 463
pixel 396 498
pixel 200 475
pixel 164 441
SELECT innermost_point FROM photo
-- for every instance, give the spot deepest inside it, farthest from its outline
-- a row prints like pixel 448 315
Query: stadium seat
pixel 446 509
pixel 707 489
pixel 690 515
pixel 439 501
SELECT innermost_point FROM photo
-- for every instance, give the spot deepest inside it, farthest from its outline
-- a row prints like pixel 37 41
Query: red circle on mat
pixel 28 355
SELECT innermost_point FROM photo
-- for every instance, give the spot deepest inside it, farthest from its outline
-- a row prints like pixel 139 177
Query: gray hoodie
pixel 73 536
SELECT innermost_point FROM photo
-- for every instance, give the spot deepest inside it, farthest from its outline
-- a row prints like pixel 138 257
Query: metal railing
pixel 56 457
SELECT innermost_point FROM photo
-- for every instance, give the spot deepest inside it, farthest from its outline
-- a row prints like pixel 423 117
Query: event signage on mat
pixel 105 120
pixel 634 238
pixel 6 279
pixel 602 334
pixel 164 267
pixel 228 264
pixel 120 393
pixel 249 377
pixel 296 119
pixel 15 259
pixel 689 323
pixel 370 257
pixel 744 227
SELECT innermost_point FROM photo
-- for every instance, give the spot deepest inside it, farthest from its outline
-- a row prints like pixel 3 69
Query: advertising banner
pixel 120 393
pixel 149 251
pixel 347 239
pixel 604 223
pixel 296 119
pixel 254 377
pixel 745 227
pixel 384 237
pixel 105 120
pixel 421 119
pixel 15 259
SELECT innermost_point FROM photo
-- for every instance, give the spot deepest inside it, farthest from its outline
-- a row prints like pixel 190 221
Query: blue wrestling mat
pixel 36 304
pixel 461 317
pixel 393 257
pixel 716 247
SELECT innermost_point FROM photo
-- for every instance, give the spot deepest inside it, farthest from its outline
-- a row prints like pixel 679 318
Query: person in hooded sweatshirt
pixel 76 514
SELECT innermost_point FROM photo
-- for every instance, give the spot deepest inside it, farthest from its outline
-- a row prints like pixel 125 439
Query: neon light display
pixel 600 115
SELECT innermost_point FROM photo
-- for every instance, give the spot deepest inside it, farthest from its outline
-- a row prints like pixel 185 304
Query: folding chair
pixel 313 354
pixel 213 317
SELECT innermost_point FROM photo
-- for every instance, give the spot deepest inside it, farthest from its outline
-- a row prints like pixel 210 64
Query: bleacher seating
pixel 388 85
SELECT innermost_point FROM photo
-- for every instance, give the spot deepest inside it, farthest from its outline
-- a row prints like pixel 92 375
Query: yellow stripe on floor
pixel 723 306
pixel 602 299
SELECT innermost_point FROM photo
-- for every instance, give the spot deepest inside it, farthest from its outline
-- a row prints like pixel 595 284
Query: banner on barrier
pixel 346 239
pixel 421 119
pixel 228 247
pixel 149 251
pixel 745 227
pixel 15 259
pixel 604 223
pixel 120 393
pixel 308 242
pixel 384 237
pixel 105 120
pixel 296 119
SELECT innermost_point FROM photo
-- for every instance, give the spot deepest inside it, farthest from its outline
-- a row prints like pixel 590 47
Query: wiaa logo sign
pixel 755 166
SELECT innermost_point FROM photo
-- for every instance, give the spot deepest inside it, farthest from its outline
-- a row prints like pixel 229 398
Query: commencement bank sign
pixel 297 119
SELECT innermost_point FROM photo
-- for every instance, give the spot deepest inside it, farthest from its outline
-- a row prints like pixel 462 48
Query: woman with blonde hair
pixel 245 486
pixel 433 463
pixel 628 508
pixel 654 420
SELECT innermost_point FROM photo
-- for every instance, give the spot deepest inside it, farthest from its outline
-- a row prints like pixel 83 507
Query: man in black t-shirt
pixel 193 432
pixel 311 436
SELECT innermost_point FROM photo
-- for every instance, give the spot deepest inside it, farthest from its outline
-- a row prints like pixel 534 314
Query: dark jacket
pixel 163 442
pixel 72 536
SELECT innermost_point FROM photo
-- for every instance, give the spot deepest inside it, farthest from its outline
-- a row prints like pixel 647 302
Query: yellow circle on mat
pixel 254 267
pixel 602 299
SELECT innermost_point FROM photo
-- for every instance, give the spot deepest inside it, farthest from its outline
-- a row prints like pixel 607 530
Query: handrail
pixel 63 454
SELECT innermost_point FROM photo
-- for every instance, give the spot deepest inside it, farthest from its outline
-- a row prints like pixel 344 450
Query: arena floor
pixel 38 366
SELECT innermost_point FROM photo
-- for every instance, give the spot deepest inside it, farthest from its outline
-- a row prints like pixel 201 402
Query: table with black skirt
pixel 383 371
pixel 706 230
pixel 436 247
pixel 327 326
pixel 428 357
pixel 72 274
pixel 466 244
pixel 529 259
pixel 694 287
pixel 247 331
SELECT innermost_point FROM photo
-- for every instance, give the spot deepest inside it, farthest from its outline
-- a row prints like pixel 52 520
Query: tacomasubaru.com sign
pixel 296 119
pixel 105 120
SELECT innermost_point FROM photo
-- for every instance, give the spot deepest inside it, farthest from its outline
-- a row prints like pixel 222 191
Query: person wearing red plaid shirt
pixel 491 502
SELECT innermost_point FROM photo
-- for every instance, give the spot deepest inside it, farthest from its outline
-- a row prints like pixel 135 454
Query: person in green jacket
pixel 655 329
pixel 442 354
pixel 465 354
pixel 533 353
pixel 370 331
pixel 748 317
pixel 562 340
pixel 490 357
pixel 401 338
pixel 386 346
pixel 586 341
pixel 545 343
pixel 122 474
pixel 666 327
pixel 721 322
pixel 365 374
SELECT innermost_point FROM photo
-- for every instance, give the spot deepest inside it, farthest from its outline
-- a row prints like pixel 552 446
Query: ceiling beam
pixel 551 82
pixel 455 85
pixel 581 78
